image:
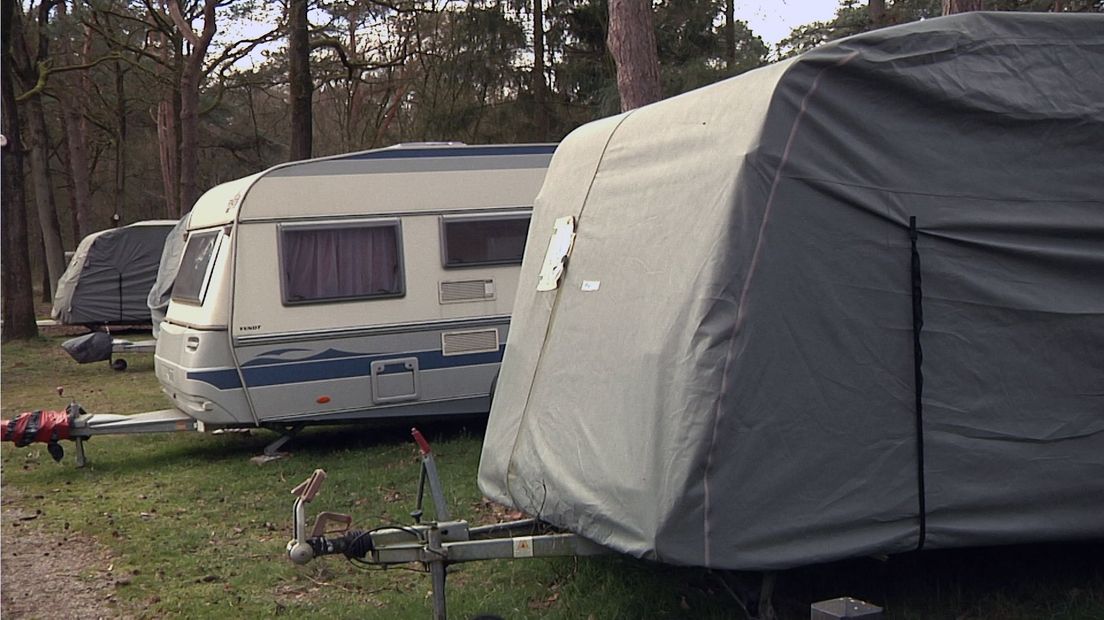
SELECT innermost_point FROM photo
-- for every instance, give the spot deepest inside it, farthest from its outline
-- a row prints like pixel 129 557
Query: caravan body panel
pixel 183 356
pixel 302 339
pixel 359 373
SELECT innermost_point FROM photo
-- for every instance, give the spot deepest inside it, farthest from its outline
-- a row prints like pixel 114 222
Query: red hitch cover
pixel 35 426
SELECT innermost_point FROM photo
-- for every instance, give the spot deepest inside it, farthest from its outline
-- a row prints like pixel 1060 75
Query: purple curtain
pixel 348 262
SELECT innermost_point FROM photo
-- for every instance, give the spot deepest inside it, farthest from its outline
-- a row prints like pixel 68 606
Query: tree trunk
pixel 15 278
pixel 540 87
pixel 877 12
pixel 962 6
pixel 177 139
pixel 76 133
pixel 74 225
pixel 189 134
pixel 120 143
pixel 300 84
pixel 190 77
pixel 168 136
pixel 730 35
pixel 28 73
pixel 166 140
pixel 632 43
pixel 44 193
pixel 44 283
pixel 354 100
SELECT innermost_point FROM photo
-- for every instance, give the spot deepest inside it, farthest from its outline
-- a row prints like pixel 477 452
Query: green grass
pixel 200 531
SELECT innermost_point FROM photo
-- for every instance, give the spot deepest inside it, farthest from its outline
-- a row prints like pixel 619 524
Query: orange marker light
pixel 322 400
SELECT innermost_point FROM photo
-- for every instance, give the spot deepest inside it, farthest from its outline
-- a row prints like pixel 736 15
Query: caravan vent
pixel 478 341
pixel 467 290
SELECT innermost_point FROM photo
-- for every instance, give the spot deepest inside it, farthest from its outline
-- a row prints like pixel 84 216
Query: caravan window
pixel 340 262
pixel 497 239
pixel 195 267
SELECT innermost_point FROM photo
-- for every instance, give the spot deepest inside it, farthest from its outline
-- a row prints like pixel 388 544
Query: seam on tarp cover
pixel 552 312
pixel 740 315
pixel 918 381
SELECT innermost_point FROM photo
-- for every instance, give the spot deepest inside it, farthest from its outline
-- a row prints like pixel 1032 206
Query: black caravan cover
pixel 726 375
pixel 111 274
pixel 94 347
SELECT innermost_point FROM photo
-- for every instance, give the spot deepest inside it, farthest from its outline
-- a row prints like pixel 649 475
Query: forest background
pixel 116 111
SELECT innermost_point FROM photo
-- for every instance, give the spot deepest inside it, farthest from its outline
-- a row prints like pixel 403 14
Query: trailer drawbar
pixel 50 427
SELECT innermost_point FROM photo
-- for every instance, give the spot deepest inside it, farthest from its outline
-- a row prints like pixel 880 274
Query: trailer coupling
pixel 434 544
pixel 40 426
pixel 50 427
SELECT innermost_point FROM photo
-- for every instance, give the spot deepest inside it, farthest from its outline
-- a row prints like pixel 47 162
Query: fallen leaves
pixel 493 512
pixel 544 603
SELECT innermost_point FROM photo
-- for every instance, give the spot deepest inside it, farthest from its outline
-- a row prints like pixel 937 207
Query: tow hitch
pixel 434 544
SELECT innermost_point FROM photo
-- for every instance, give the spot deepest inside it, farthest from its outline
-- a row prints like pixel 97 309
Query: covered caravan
pixel 753 361
pixel 111 274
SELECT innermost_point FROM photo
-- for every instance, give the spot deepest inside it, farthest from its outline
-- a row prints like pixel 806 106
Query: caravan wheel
pixel 119 364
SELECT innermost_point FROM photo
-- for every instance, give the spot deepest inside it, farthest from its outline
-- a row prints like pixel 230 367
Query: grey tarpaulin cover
pixel 111 274
pixel 161 292
pixel 725 376
pixel 94 347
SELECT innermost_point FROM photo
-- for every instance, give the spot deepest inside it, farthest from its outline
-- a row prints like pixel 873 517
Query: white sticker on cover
pixel 555 259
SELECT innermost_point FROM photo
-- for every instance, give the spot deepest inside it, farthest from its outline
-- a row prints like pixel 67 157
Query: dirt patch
pixel 52 574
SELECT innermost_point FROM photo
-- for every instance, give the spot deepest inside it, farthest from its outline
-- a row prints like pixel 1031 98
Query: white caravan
pixel 374 284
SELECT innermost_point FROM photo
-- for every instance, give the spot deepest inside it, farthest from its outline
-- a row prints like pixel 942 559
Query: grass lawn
pixel 195 530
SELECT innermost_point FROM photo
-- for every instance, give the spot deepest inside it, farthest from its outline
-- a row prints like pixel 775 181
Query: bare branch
pixel 182 24
pixel 162 24
pixel 352 65
pixel 44 72
pixel 411 9
pixel 241 49
pixel 218 99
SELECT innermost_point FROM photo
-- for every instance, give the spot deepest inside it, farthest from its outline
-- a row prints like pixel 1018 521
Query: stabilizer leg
pixel 756 602
pixel 272 450
pixel 82 460
pixel 438 574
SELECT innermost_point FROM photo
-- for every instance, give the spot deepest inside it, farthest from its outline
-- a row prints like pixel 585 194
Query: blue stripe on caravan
pixel 456 151
pixel 270 358
pixel 328 369
pixel 223 379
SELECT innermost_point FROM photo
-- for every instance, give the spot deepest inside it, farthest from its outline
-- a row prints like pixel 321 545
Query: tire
pixel 119 364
